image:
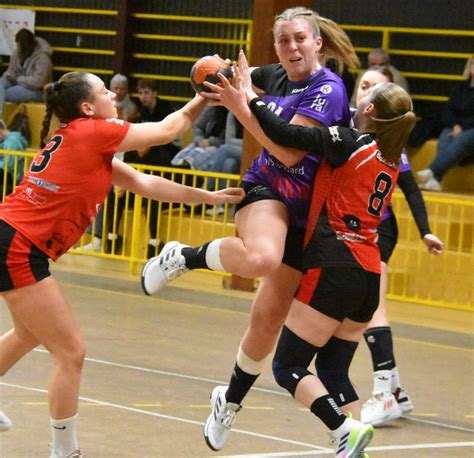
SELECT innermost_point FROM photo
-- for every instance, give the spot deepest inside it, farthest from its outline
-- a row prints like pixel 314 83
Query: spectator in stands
pixel 126 108
pixel 15 137
pixel 227 157
pixel 29 70
pixel 456 142
pixel 380 57
pixel 208 135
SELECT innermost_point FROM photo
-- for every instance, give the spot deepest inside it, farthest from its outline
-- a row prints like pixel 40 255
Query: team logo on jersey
pixel 335 137
pixel 299 89
pixel 326 89
pixel 318 104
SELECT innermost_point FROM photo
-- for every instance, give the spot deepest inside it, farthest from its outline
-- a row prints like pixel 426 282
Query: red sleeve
pixel 109 133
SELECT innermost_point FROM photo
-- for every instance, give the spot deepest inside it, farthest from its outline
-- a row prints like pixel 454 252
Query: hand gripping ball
pixel 206 69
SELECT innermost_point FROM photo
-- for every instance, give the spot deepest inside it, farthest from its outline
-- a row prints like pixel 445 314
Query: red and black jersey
pixel 66 184
pixel 353 186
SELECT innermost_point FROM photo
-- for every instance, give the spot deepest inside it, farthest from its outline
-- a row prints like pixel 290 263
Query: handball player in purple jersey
pixel 272 219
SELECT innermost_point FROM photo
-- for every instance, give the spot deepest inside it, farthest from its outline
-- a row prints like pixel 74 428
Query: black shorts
pixel 388 236
pixel 21 262
pixel 293 254
pixel 341 292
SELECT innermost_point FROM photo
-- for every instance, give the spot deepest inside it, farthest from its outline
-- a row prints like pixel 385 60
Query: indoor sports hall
pixel 152 361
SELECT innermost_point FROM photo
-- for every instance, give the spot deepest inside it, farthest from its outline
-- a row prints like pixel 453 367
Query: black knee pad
pixel 332 368
pixel 292 358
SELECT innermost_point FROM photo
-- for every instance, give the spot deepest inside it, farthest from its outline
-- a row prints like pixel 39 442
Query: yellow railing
pixel 385 42
pixel 446 280
pixel 414 275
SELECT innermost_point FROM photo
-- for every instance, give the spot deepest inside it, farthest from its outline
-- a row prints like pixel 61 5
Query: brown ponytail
pixel 63 99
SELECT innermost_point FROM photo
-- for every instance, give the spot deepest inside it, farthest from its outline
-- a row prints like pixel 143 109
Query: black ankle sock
pixel 379 341
pixel 239 386
pixel 196 257
pixel 327 410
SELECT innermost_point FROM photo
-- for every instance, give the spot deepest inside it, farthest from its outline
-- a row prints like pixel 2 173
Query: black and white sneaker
pixel 219 423
pixel 161 269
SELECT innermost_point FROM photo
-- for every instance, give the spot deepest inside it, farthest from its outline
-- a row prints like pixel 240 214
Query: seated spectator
pixel 126 108
pixel 208 135
pixel 227 157
pixel 456 142
pixel 29 70
pixel 15 137
pixel 376 58
pixel 152 109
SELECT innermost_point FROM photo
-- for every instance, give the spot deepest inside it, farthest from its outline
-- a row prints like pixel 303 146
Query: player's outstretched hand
pixel 226 196
pixel 433 244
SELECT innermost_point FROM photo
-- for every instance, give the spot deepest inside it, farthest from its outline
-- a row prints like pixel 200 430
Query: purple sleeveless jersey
pixel 404 166
pixel 322 97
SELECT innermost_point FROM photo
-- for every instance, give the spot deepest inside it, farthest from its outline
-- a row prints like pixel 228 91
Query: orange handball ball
pixel 206 69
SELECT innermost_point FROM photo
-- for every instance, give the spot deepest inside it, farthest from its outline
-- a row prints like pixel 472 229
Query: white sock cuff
pixel 213 259
pixel 63 421
pixel 248 364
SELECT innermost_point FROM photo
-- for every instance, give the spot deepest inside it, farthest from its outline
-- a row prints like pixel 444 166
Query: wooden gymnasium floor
pixel 152 361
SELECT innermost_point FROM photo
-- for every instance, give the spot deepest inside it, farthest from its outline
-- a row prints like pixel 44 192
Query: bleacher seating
pixel 457 180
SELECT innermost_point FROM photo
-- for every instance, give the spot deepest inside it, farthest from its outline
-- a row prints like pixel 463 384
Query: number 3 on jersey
pixel 383 185
pixel 45 155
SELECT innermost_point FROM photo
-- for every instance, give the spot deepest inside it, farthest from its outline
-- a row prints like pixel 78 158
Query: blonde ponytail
pixel 337 45
pixel 395 118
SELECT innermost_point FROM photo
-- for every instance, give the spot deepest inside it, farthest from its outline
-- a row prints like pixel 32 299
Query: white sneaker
pixel 219 423
pixel 379 409
pixel 404 400
pixel 94 245
pixel 351 438
pixel 5 423
pixel 75 454
pixel 424 175
pixel 431 185
pixel 161 269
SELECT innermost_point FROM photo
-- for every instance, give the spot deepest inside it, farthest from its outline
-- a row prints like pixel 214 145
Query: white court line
pixel 264 390
pixel 387 448
pixel 171 374
pixel 170 417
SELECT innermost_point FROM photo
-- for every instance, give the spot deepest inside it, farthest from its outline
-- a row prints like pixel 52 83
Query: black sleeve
pixel 414 197
pixel 335 144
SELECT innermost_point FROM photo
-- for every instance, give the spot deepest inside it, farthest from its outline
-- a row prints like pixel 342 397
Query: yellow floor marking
pixel 207 406
pixel 424 415
pixel 469 416
pixel 147 405
pixel 258 408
